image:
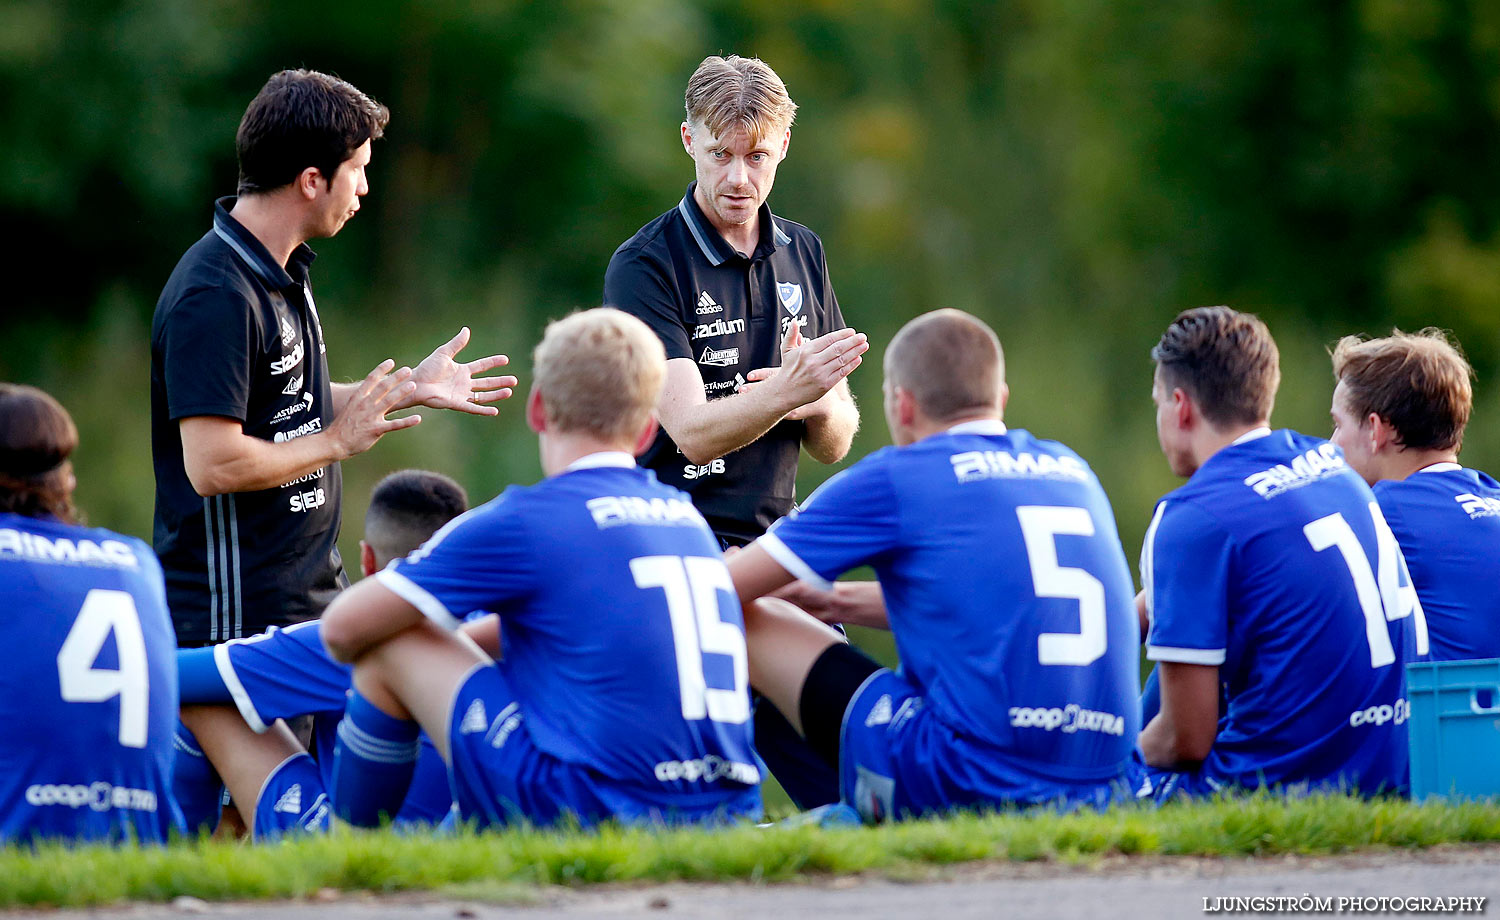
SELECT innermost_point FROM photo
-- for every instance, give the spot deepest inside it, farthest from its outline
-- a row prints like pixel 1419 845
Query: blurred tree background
pixel 1074 171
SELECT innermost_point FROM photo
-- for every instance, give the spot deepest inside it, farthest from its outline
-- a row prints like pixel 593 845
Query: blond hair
pixel 1419 383
pixel 599 372
pixel 735 92
pixel 950 362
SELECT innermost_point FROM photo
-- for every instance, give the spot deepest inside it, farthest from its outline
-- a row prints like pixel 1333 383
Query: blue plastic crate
pixel 1454 728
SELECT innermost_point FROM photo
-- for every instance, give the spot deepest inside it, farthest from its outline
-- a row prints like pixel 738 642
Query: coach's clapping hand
pixel 810 370
pixel 443 383
pixel 362 420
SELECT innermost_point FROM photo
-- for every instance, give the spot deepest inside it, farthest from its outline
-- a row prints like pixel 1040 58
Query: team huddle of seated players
pixel 581 650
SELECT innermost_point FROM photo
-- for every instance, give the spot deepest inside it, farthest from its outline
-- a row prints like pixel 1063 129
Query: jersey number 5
pixel 103 612
pixel 1041 525
pixel 692 585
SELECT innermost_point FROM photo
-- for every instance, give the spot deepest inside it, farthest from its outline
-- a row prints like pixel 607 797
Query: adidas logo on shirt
pixel 880 713
pixel 474 719
pixel 707 305
pixel 290 802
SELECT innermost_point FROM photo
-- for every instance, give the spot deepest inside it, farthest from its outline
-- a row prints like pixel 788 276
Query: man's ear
pixel 647 435
pixel 367 559
pixel 786 142
pixel 1382 434
pixel 1184 413
pixel 906 407
pixel 536 411
pixel 687 138
pixel 1004 396
pixel 308 182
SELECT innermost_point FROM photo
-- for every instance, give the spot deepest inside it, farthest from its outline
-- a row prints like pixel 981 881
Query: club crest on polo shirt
pixel 791 296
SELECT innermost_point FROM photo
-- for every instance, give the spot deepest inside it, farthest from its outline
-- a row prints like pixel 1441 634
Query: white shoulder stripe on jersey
pixel 791 561
pixel 1148 562
pixel 237 688
pixel 1185 655
pixel 418 597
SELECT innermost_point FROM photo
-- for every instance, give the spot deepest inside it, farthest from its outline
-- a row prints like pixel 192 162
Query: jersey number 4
pixel 692 585
pixel 103 612
pixel 1382 594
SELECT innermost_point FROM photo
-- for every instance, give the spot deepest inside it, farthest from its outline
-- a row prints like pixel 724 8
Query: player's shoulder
pixel 47 540
pixel 798 237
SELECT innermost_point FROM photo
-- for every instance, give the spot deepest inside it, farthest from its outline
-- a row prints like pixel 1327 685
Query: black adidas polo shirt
pixel 709 303
pixel 238 336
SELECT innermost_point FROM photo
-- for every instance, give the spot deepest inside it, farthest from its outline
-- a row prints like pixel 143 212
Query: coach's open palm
pixel 443 383
pixel 810 370
pixel 362 421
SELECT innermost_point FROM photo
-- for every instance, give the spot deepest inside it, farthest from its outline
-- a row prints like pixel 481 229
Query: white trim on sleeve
pixel 237 688
pixel 418 597
pixel 791 561
pixel 1213 656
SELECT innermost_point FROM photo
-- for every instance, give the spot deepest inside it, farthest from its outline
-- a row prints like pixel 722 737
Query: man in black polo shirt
pixel 246 427
pixel 757 349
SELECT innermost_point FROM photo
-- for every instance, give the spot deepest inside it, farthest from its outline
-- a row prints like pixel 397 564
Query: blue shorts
pixel 292 801
pixel 896 759
pixel 500 777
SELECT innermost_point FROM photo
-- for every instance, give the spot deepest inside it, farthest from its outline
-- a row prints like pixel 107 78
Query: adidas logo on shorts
pixel 707 305
pixel 474 721
pixel 290 802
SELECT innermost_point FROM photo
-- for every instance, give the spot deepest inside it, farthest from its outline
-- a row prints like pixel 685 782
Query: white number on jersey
pixel 103 612
pixel 1040 526
pixel 1382 597
pixel 692 585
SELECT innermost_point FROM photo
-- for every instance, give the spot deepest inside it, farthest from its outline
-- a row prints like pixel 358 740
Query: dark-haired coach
pixel 247 429
pixel 757 349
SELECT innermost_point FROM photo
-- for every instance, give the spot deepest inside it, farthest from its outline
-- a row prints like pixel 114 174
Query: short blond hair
pixel 599 372
pixel 725 93
pixel 1419 383
pixel 950 362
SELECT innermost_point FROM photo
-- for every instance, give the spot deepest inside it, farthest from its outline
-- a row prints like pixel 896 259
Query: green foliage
pixel 508 865
pixel 1075 171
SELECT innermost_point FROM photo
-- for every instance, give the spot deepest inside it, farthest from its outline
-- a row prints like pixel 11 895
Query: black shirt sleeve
pixel 641 287
pixel 208 346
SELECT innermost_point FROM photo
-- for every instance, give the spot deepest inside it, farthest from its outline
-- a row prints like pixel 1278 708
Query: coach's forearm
pixel 831 434
pixel 707 431
pixel 218 461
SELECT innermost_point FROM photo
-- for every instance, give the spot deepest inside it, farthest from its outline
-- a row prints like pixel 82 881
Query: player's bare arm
pixel 1183 732
pixel 363 617
pixel 705 430
pixel 220 458
pixel 852 603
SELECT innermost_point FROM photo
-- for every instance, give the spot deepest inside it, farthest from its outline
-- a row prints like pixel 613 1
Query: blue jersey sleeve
pixel 1185 570
pixel 851 520
pixel 480 560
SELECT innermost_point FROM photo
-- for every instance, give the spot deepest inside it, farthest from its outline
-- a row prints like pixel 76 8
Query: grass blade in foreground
pixel 383 861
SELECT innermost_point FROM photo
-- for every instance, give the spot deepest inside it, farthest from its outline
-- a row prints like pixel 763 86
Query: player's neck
pixel 1399 464
pixel 1209 440
pixel 272 221
pixel 561 450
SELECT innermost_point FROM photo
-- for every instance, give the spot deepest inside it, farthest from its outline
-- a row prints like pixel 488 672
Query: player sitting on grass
pixel 286 673
pixel 622 692
pixel 1273 573
pixel 1002 577
pixel 1399 413
pixel 88 694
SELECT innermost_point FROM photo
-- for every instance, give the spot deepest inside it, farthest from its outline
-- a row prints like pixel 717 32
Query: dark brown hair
pixel 36 437
pixel 303 118
pixel 1225 360
pixel 950 362
pixel 407 507
pixel 1418 383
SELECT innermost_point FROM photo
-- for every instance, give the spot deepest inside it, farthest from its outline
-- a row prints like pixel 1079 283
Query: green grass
pixel 508 865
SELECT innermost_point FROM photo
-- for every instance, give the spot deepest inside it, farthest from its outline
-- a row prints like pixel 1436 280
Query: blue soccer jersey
pixel 1007 592
pixel 1274 563
pixel 624 644
pixel 1447 520
pixel 88 695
